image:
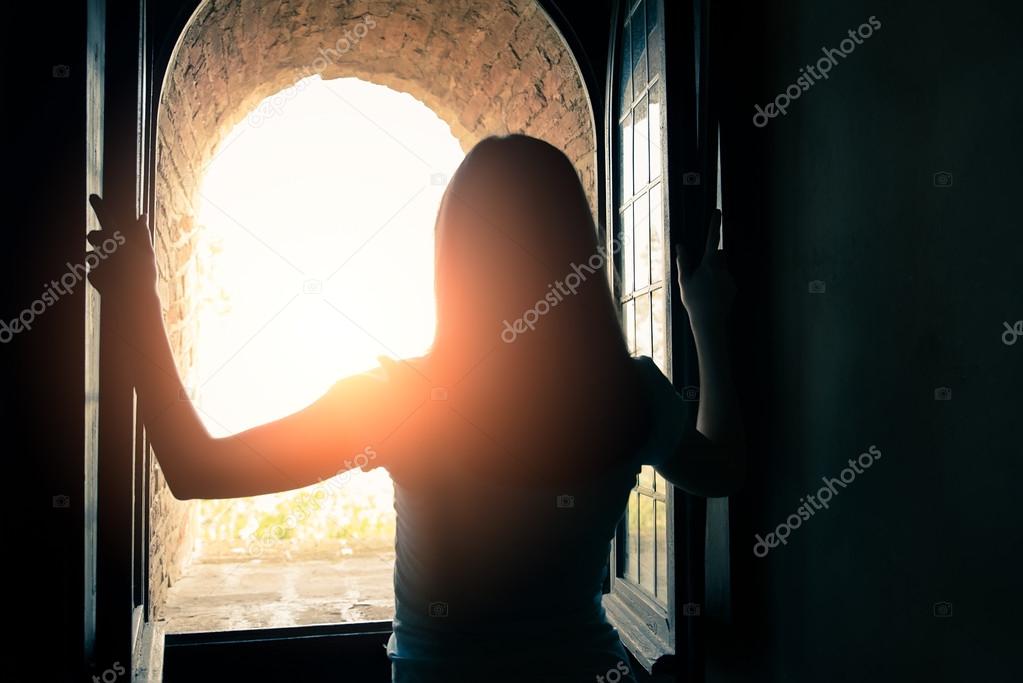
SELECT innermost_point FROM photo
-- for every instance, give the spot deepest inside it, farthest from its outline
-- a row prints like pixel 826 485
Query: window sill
pixel 652 652
pixel 147 658
pixel 324 631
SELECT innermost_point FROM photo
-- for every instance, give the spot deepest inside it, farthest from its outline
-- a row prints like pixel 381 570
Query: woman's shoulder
pixel 379 402
pixel 388 373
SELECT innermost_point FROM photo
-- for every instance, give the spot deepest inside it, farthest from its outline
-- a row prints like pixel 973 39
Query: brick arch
pixel 485 68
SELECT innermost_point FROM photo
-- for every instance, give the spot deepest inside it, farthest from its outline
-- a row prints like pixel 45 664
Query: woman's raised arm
pixel 315 443
pixel 712 461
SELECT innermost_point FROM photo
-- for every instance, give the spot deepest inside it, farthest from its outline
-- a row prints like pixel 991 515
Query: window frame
pixel 666 639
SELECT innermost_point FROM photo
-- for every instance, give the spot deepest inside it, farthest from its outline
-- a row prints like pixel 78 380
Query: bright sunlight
pixel 317 245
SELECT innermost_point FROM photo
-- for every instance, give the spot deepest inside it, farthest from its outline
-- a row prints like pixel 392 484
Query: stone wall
pixel 485 67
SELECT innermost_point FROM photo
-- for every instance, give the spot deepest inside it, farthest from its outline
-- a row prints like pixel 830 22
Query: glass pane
pixel 625 159
pixel 647 553
pixel 658 266
pixel 643 341
pixel 632 534
pixel 661 589
pixel 660 484
pixel 655 46
pixel 646 476
pixel 641 231
pixel 655 120
pixel 628 260
pixel 630 325
pixel 659 314
pixel 625 77
pixel 641 146
pixel 638 22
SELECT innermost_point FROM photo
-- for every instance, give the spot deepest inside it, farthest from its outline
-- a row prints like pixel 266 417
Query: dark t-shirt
pixel 496 573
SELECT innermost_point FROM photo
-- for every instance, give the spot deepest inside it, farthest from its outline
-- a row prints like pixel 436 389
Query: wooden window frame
pixel 667 639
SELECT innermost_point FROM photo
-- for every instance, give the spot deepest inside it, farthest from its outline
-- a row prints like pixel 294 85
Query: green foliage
pixel 353 510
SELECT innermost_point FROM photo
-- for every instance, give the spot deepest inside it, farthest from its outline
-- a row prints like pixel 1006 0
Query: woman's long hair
pixel 528 338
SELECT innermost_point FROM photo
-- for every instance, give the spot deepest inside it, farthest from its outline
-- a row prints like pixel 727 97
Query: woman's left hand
pixel 122 264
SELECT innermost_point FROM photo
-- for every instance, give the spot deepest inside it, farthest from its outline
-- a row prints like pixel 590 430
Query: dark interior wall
pixel 919 279
pixel 584 25
pixel 44 117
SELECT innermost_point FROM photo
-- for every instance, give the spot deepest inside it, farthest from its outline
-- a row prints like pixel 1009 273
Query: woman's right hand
pixel 707 288
pixel 712 464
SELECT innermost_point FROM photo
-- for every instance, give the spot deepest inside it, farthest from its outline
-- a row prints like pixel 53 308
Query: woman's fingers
pixel 102 212
pixel 713 234
pixel 710 251
pixel 107 219
pixel 136 230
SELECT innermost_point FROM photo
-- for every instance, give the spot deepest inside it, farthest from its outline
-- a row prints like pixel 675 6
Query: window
pixel 656 582
pixel 640 600
pixel 645 270
pixel 315 256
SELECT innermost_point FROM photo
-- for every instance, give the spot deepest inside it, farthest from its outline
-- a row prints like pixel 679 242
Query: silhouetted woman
pixel 513 444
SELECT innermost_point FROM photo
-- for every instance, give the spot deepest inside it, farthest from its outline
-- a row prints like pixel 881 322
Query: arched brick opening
pixel 486 68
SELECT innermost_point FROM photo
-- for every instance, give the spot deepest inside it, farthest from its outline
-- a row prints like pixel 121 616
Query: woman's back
pixel 508 574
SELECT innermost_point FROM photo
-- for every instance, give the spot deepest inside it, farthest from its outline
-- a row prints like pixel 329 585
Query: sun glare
pixel 316 219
